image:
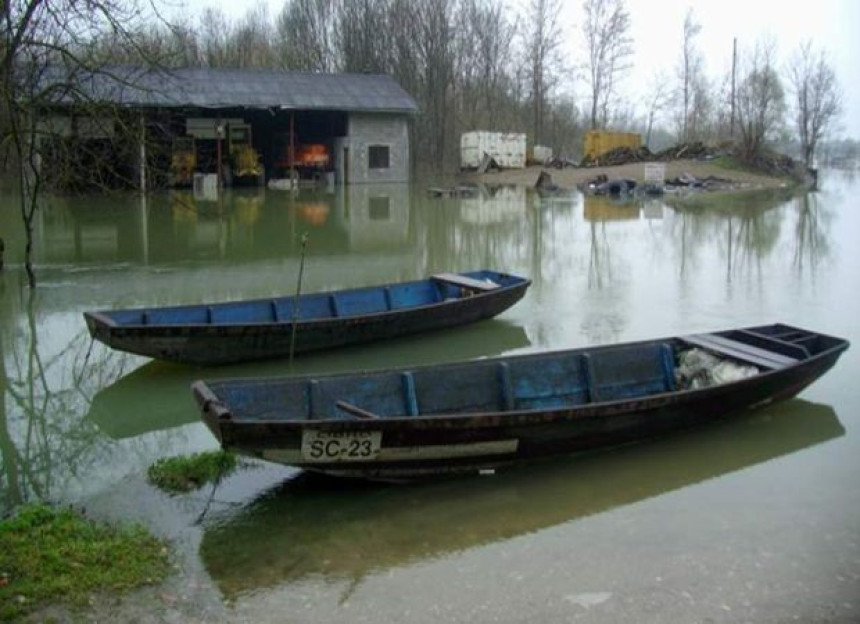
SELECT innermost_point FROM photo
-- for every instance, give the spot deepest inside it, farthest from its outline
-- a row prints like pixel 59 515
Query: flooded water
pixel 756 519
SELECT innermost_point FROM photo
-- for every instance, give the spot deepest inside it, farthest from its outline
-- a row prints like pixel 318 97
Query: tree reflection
pixel 43 439
pixel 744 226
pixel 811 233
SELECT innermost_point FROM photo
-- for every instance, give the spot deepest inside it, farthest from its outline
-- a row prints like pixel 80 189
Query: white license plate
pixel 340 446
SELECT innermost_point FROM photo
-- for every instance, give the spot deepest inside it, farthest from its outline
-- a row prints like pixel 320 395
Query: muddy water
pixel 752 520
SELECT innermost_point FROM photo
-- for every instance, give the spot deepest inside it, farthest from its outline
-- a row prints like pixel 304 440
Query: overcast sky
pixel 657 30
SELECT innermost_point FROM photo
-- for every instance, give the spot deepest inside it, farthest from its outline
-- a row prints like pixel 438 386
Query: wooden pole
pixel 142 155
pixel 219 131
pixel 296 301
pixel 293 180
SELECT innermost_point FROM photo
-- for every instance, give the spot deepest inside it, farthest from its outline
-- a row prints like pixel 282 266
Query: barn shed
pixel 245 126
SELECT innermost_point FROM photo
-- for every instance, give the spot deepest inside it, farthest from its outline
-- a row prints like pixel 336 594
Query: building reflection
pixel 377 216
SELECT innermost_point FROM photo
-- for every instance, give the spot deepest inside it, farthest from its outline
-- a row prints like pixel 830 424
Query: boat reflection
pixel 311 526
pixel 156 396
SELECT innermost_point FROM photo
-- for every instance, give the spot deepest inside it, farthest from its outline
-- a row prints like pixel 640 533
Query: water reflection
pixel 746 228
pixel 598 208
pixel 602 272
pixel 812 235
pixel 310 527
pixel 156 396
pixel 43 390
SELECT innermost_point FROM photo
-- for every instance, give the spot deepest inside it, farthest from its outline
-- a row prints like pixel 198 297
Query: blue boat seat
pixel 359 302
pixel 475 390
pixel 554 382
pixel 379 394
pixel 629 372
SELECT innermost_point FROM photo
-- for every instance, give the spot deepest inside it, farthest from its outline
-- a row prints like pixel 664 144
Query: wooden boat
pixel 484 414
pixel 251 330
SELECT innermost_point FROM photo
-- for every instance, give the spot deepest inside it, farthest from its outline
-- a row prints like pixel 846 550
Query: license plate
pixel 340 446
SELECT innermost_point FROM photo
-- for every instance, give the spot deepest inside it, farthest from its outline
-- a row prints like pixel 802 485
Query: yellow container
pixel 598 142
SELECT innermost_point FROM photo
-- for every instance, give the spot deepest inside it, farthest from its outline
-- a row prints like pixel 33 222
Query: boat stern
pixel 212 410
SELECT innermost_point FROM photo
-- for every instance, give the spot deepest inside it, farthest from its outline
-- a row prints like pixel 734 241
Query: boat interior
pixel 530 382
pixel 318 306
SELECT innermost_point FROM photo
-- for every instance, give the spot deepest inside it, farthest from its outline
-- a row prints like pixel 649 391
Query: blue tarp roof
pixel 235 88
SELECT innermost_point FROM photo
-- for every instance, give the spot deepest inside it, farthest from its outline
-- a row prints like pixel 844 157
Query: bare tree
pixel 48 58
pixel 213 33
pixel 760 100
pixel 656 98
pixel 817 97
pixel 690 70
pixel 362 36
pixel 305 35
pixel 542 43
pixel 483 53
pixel 251 41
pixel 609 47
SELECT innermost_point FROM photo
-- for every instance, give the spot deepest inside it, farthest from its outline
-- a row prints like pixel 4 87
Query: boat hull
pixel 415 447
pixel 215 344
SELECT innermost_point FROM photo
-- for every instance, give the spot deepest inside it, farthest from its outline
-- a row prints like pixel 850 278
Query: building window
pixel 377 156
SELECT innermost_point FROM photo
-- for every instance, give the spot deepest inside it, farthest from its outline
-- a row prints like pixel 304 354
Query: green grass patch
pixel 52 554
pixel 190 472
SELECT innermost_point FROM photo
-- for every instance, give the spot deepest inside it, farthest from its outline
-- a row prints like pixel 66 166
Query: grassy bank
pixel 50 555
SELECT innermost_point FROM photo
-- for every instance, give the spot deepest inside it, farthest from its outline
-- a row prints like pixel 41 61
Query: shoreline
pixel 570 178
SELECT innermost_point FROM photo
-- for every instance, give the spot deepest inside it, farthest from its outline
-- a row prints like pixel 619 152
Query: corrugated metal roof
pixel 245 88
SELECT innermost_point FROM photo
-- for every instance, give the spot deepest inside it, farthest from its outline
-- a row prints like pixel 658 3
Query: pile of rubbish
pixel 602 185
pixel 687 181
pixel 618 156
pixel 698 368
pixel 695 150
pixel 780 165
pixel 624 155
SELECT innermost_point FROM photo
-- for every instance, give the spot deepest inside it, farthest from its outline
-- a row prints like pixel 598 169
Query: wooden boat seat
pixel 464 282
pixel 741 351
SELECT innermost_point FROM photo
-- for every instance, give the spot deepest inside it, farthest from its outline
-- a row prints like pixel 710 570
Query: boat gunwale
pixel 101 316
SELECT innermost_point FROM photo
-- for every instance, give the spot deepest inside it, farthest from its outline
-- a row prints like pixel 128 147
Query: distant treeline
pixel 470 65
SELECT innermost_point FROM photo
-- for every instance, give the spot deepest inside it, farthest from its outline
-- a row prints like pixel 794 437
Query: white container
pixel 654 173
pixel 508 149
pixel 542 154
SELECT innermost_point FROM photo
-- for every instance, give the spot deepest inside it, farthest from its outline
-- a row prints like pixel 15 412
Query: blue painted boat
pixel 222 333
pixel 412 422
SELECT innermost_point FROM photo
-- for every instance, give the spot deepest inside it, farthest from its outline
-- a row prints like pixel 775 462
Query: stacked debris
pixel 687 181
pixel 693 151
pixel 624 155
pixel 780 165
pixel 618 156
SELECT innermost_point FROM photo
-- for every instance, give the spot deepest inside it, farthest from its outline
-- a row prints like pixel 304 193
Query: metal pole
pixel 296 301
